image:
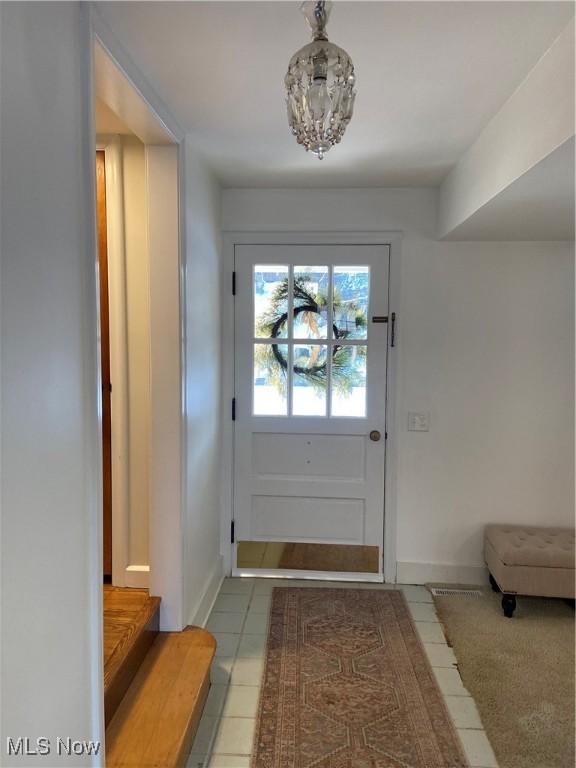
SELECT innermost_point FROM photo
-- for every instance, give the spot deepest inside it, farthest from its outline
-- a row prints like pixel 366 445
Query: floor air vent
pixel 446 592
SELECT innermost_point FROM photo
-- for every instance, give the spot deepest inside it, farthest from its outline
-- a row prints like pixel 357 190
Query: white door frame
pixel 231 239
pixel 112 149
pixel 122 86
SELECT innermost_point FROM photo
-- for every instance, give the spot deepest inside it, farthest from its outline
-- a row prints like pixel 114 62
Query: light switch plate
pixel 418 421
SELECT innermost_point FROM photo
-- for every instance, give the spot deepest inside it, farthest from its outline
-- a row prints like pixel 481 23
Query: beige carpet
pixel 347 684
pixel 520 671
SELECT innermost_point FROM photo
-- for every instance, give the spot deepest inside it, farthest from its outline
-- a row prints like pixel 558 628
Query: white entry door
pixel 311 340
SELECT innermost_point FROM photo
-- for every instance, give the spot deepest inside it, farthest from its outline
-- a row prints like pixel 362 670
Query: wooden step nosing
pixel 148 731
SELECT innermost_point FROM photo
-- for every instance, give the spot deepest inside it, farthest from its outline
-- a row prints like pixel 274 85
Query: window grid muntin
pixel 291 341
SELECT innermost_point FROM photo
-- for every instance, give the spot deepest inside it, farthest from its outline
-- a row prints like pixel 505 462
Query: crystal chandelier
pixel 320 85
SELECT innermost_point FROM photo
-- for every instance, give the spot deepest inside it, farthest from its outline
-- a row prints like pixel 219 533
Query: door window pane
pixel 270 301
pixel 309 383
pixel 311 302
pixel 350 301
pixel 349 381
pixel 270 380
pixel 305 303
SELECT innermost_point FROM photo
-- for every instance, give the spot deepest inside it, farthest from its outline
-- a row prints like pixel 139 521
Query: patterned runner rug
pixel 347 685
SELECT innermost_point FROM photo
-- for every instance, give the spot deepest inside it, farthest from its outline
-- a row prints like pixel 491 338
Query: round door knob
pixel 375 435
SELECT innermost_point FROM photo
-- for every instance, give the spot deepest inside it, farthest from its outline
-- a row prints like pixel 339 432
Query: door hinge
pixel 234 283
pixel 385 435
pixel 232 532
pixel 233 409
pixel 393 330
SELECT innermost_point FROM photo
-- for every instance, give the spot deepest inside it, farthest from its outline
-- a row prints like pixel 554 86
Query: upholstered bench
pixel 529 561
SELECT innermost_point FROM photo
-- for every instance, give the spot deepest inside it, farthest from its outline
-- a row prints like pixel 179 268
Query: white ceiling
pixel 430 76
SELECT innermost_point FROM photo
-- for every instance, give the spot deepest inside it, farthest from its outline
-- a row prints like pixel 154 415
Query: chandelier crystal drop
pixel 320 86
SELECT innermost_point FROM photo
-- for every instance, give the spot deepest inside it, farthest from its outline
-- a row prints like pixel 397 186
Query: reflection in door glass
pixel 310 302
pixel 303 556
pixel 270 380
pixel 349 382
pixel 270 301
pixel 309 383
pixel 350 301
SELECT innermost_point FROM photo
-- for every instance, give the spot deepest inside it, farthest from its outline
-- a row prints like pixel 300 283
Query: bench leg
pixel 508 605
pixel 493 584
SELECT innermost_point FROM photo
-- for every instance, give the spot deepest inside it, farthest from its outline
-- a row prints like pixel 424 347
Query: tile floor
pixel 239 622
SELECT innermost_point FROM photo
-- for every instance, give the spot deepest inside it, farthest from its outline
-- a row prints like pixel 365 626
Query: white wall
pixel 203 566
pixel 485 344
pixel 50 462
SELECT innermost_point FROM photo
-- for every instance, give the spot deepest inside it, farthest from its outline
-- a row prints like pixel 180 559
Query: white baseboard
pixel 201 610
pixel 137 576
pixel 443 573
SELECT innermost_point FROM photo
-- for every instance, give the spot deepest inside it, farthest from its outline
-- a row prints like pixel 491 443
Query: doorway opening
pixel 125 348
pixel 138 177
pixel 139 170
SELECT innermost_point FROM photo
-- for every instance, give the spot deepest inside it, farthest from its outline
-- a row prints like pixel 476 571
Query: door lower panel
pixel 307 519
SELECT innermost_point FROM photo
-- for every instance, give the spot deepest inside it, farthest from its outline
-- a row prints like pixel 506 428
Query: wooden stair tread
pixel 155 724
pixel 131 622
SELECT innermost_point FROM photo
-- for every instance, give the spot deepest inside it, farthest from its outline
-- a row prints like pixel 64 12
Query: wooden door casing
pixel 105 364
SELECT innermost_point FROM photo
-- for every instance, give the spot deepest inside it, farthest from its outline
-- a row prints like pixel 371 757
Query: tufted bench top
pixel 537 547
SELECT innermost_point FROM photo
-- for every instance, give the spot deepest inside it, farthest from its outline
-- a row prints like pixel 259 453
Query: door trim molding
pixel 391 238
pixel 118 358
pixel 137 576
